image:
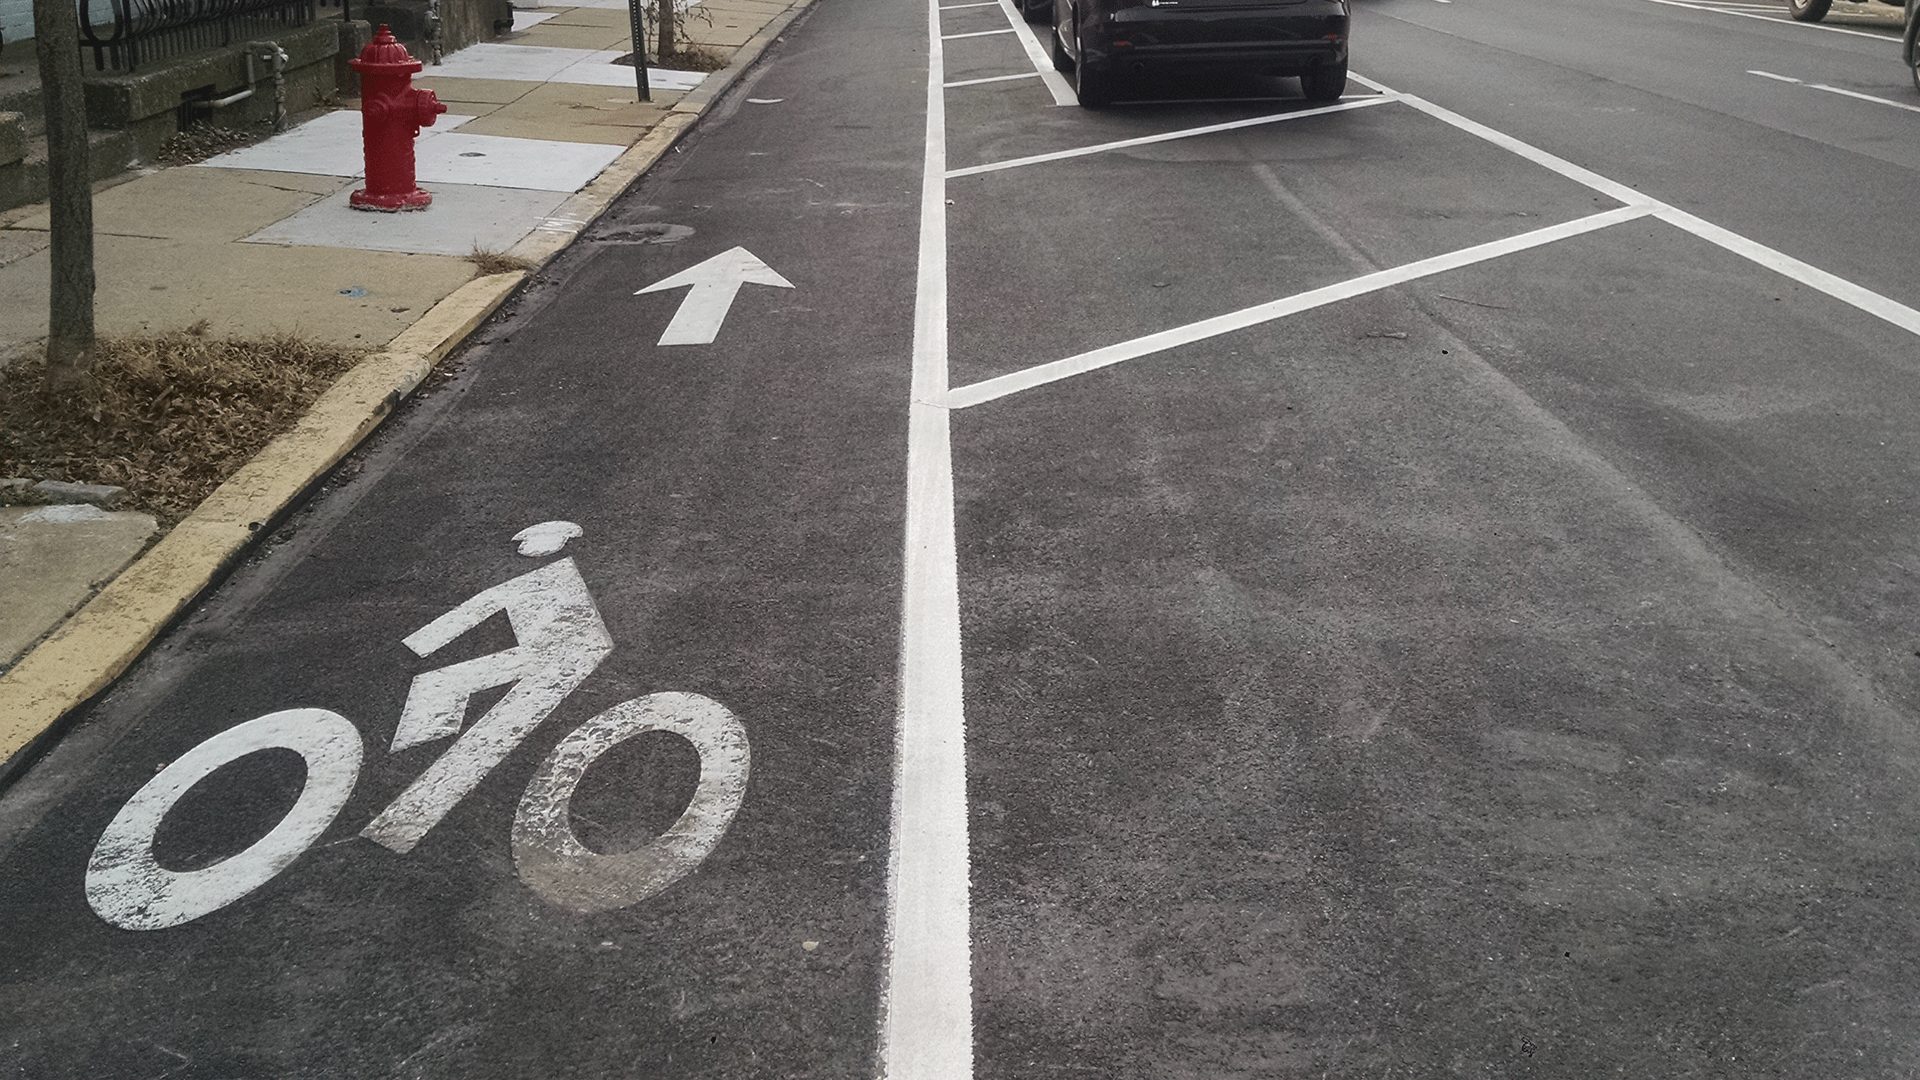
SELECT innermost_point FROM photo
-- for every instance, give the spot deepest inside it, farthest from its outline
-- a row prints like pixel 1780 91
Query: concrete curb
pixel 110 631
pixel 100 641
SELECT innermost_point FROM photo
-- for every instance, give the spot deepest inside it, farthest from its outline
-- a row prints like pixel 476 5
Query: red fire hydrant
pixel 392 114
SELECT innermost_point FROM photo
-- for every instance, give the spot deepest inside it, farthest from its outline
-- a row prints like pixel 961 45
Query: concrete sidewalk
pixel 542 132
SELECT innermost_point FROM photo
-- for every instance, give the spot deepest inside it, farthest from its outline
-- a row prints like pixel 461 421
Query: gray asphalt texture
pixel 1510 674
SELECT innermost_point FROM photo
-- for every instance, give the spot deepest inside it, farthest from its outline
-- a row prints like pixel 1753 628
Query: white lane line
pixel 1834 90
pixel 993 79
pixel 1004 385
pixel 963 7
pixel 1864 97
pixel 1188 133
pixel 1771 19
pixel 977 33
pixel 1042 63
pixel 926 1030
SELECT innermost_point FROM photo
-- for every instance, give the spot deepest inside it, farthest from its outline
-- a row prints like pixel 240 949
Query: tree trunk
pixel 663 15
pixel 56 28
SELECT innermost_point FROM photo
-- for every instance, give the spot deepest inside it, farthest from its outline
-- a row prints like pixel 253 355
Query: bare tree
pixel 56 28
pixel 663 20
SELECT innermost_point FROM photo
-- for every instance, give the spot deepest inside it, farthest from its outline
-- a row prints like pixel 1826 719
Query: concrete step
pixel 24 180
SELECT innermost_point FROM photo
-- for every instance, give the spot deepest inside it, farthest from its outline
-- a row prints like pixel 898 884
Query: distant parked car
pixel 1101 41
pixel 1815 10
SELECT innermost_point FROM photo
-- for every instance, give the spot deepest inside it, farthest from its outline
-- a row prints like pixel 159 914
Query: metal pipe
pixel 268 50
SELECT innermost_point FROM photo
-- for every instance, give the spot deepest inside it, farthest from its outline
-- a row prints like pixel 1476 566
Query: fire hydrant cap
pixel 384 55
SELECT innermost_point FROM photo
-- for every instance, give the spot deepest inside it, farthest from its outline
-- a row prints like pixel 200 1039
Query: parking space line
pixel 1772 19
pixel 1863 97
pixel 1002 386
pixel 963 7
pixel 976 33
pixel 1553 163
pixel 1859 296
pixel 1636 206
pixel 1063 94
pixel 1833 90
pixel 1880 307
pixel 993 79
pixel 926 1029
pixel 1187 133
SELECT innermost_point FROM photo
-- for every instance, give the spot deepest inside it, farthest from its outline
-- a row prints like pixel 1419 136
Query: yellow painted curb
pixel 106 635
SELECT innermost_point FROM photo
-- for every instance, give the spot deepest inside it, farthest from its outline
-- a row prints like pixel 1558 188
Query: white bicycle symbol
pixel 560 640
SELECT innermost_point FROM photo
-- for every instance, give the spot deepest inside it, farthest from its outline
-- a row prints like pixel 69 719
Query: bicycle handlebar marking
pixel 559 640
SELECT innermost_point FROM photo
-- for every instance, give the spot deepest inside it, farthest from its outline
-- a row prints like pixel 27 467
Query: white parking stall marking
pixel 1858 296
pixel 1863 97
pixel 1056 83
pixel 993 389
pixel 977 33
pixel 1582 176
pixel 993 79
pixel 1834 90
pixel 926 1029
pixel 1187 133
pixel 1636 206
pixel 1722 10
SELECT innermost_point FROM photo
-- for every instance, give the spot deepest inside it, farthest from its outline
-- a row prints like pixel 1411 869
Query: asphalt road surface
pixel 1209 587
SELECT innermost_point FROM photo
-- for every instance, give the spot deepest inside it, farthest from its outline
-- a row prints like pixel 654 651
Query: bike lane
pixel 578 518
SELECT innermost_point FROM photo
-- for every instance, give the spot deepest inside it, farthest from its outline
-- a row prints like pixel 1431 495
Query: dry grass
pixel 497 262
pixel 168 417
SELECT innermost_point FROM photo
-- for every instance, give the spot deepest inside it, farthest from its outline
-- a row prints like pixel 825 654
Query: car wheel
pixel 1808 10
pixel 1091 84
pixel 1036 10
pixel 1326 82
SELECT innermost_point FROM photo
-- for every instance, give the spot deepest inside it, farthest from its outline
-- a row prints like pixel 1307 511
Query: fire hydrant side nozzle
pixel 392 113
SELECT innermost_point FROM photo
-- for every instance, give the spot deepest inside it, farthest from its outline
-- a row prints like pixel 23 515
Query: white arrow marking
pixel 715 283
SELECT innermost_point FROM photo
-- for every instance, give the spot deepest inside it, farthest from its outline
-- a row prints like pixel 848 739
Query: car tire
pixel 1036 10
pixel 1808 10
pixel 1325 83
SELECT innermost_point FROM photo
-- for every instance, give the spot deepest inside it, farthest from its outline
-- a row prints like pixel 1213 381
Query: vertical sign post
pixel 639 47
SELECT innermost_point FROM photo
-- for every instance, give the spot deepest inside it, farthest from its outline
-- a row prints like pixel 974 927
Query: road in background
pixel 1420 587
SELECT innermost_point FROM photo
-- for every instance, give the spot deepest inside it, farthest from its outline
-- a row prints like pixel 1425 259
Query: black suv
pixel 1099 41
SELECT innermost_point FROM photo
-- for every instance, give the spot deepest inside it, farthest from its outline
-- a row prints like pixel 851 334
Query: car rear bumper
pixel 1286 39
